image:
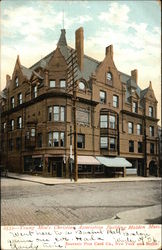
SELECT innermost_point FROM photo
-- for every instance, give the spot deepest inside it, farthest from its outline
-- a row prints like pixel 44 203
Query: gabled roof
pixel 143 92
pixel 26 72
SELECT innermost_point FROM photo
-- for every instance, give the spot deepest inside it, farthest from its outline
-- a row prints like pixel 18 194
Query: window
pixel 56 113
pixel 35 91
pixel 49 113
pixel 115 101
pixel 81 86
pixel 150 111
pixel 19 98
pixel 19 122
pixel 52 84
pixel 16 82
pixel 12 102
pixel 62 139
pixel 62 84
pixel 3 127
pixel 33 132
pixel 139 147
pixel 18 143
pixel 11 145
pixel 81 141
pixel 131 146
pixel 59 113
pixel 56 139
pixel 103 121
pixel 112 144
pixel 102 96
pixel 139 129
pixel 151 128
pixel 39 140
pixel 112 121
pixel 62 114
pixel 109 76
pixel 103 142
pixel 135 107
pixel 50 139
pixel 12 124
pixel 130 128
pixel 151 148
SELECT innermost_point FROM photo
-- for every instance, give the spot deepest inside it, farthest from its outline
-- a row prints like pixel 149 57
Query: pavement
pixel 145 215
pixel 56 180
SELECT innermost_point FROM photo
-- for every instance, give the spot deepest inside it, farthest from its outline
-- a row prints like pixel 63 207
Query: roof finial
pixel 150 84
pixel 63 18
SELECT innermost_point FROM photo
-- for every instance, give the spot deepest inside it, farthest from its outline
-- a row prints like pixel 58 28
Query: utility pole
pixel 72 86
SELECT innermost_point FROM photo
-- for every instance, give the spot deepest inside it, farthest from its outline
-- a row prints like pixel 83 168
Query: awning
pixel 113 162
pixel 87 160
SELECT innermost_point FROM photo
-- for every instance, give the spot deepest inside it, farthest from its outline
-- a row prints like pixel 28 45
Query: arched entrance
pixel 153 168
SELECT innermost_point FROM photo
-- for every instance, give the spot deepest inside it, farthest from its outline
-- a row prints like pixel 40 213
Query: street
pixel 24 202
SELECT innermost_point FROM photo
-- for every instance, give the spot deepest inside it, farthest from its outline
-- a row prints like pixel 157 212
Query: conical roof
pixel 62 39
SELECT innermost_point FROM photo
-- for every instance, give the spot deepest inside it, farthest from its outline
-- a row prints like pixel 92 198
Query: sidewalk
pixel 146 215
pixel 56 180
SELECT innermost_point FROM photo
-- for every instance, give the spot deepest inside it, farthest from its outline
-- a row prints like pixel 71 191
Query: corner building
pixel 115 117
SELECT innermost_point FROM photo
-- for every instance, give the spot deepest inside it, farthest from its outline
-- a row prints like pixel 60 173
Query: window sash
pixel 19 122
pixel 103 142
pixel 134 107
pixel 56 113
pixel 139 147
pixel 112 143
pixel 62 84
pixel 151 131
pixel 52 83
pixel 102 96
pixel 130 127
pixel 151 111
pixel 115 101
pixel 80 141
pixel 112 121
pixel 33 132
pixel 62 114
pixel 139 129
pixel 103 121
pixel 131 146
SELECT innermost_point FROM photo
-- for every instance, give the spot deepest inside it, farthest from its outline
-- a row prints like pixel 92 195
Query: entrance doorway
pixel 153 168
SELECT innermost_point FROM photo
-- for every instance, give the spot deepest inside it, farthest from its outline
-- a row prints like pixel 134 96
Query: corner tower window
pixel 81 86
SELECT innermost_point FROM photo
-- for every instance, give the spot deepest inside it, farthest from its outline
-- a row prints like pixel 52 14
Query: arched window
pixel 81 85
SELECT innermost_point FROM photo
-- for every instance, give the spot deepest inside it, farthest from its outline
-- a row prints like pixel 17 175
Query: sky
pixel 31 29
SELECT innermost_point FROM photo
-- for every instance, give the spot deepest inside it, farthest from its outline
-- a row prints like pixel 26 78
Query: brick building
pixel 115 118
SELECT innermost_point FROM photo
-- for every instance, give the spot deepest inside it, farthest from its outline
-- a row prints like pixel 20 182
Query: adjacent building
pixel 115 117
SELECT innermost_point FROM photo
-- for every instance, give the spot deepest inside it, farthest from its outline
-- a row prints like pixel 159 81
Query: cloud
pixel 117 14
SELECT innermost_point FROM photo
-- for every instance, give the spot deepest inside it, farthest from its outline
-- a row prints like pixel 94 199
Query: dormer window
pixel 150 111
pixel 35 91
pixel 16 82
pixel 81 85
pixel 135 107
pixel 12 102
pixel 109 78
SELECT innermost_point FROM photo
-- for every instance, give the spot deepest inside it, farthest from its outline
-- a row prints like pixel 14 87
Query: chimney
pixel 8 79
pixel 79 46
pixel 134 75
pixel 109 50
